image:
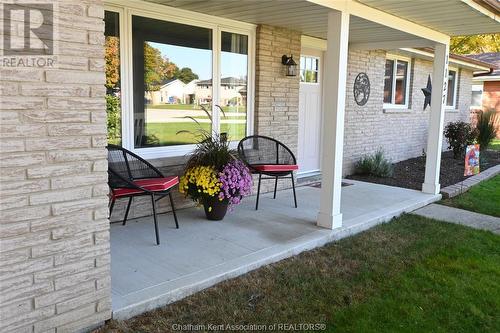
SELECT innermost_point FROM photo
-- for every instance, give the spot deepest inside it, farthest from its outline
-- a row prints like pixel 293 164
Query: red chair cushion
pixel 151 184
pixel 275 167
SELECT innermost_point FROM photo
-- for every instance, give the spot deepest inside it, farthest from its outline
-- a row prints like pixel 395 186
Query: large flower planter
pixel 215 209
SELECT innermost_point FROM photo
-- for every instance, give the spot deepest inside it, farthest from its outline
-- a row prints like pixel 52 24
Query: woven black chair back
pixel 125 166
pixel 259 150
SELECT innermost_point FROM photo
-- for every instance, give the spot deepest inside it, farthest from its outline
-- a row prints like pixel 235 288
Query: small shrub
pixel 113 118
pixel 459 134
pixel 375 165
pixel 485 128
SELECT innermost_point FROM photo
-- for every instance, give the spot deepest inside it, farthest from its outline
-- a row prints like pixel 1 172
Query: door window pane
pixel 172 82
pixel 388 76
pixel 113 91
pixel 400 93
pixel 234 85
pixel 452 76
pixel 309 69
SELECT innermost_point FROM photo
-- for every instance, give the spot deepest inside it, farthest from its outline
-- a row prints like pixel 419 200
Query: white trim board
pixel 392 21
pixel 430 56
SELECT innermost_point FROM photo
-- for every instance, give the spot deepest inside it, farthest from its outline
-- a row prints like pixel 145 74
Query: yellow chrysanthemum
pixel 204 179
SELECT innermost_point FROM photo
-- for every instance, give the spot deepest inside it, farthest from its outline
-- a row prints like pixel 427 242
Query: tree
pixel 112 58
pixel 186 75
pixel 158 69
pixel 475 44
pixel 153 64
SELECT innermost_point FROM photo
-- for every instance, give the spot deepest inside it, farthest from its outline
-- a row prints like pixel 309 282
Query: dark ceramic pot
pixel 215 209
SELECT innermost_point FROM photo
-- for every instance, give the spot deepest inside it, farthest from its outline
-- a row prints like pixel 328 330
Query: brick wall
pixel 491 100
pixel 54 245
pixel 276 95
pixel 401 134
pixel 491 95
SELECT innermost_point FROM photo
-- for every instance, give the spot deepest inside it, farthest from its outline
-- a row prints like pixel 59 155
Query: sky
pixel 200 60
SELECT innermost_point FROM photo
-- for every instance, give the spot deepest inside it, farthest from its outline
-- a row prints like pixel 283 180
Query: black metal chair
pixel 269 157
pixel 131 176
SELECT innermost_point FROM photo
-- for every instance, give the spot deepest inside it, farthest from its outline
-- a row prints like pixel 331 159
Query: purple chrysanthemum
pixel 236 182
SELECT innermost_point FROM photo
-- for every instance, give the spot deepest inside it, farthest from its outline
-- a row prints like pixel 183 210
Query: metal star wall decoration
pixel 427 92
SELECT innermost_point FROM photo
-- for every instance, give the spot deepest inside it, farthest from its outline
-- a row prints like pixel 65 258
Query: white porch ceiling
pixel 452 17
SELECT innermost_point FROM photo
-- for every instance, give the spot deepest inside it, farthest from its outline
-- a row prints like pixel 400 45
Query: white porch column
pixel 333 119
pixel 435 135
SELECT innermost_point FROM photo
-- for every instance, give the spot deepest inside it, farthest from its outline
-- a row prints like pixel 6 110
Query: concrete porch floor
pixel 202 253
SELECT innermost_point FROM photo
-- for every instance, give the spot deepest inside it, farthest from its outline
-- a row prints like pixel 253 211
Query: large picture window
pixel 171 63
pixel 179 76
pixel 396 82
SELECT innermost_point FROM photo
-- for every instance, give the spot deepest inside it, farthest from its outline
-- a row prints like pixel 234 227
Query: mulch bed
pixel 410 173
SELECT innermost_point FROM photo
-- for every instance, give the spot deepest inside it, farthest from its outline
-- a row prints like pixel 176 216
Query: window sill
pixel 171 156
pixel 397 110
pixel 451 110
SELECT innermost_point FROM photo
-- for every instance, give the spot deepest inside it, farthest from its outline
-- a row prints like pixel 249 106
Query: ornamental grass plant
pixel 214 173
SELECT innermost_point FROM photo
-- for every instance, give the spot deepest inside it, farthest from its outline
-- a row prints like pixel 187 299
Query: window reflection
pixel 233 85
pixel 112 69
pixel 172 75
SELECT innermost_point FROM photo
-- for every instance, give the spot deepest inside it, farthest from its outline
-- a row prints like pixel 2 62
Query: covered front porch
pixel 202 253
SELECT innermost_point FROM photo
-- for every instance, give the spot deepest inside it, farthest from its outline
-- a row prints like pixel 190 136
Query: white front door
pixel 310 100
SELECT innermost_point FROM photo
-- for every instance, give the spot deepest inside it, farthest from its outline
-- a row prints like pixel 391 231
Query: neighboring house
pixel 172 92
pixel 55 234
pixel 230 92
pixel 486 86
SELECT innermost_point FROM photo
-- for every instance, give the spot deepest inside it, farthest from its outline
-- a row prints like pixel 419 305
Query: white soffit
pixel 452 17
pixel 308 18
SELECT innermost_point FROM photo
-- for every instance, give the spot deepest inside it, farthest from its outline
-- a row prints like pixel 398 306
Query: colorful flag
pixel 471 160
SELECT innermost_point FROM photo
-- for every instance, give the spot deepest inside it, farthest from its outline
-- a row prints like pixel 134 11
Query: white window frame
pixel 126 9
pixel 454 105
pixel 477 87
pixel 318 72
pixel 395 58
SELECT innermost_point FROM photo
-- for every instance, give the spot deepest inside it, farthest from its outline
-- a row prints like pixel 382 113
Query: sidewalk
pixel 460 216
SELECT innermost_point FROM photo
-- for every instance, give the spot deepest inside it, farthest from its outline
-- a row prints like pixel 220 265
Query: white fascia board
pixel 482 10
pixel 460 63
pixel 391 45
pixel 486 78
pixel 385 19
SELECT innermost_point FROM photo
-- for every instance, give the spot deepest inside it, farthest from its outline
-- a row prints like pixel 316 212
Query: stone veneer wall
pixel 402 134
pixel 276 95
pixel 54 230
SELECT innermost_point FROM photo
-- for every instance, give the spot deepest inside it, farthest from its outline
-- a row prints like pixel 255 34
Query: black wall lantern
pixel 291 65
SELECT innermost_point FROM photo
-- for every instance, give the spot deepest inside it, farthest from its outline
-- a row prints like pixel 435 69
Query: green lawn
pixel 483 198
pixel 167 132
pixel 410 275
pixel 495 145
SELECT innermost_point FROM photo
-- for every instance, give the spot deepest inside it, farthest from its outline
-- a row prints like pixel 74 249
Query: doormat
pixel 318 185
